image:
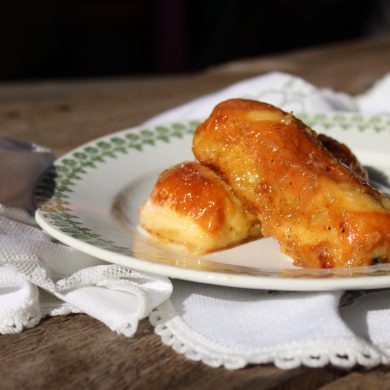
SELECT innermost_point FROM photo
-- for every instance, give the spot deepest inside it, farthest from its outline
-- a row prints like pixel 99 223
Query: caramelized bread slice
pixel 321 212
pixel 194 210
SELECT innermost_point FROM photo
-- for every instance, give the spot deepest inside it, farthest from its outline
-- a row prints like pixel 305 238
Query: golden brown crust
pixel 194 208
pixel 194 191
pixel 321 212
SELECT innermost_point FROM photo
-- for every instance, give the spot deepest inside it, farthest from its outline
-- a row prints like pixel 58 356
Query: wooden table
pixel 78 351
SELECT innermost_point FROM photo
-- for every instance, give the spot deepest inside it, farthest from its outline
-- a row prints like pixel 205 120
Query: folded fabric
pixel 283 90
pixel 236 327
pixel 32 262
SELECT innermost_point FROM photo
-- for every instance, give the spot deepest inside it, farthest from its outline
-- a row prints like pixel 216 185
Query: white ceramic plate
pixel 90 199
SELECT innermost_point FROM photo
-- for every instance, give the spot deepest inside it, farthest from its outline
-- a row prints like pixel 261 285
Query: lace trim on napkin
pixel 14 321
pixel 344 353
pixel 27 315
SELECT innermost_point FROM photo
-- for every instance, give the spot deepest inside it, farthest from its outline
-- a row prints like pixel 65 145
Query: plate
pixel 89 199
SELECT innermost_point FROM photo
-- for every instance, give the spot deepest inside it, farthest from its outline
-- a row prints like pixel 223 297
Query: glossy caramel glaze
pixel 199 210
pixel 192 190
pixel 321 212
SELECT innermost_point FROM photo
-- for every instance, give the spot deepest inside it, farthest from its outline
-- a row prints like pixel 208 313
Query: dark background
pixel 61 39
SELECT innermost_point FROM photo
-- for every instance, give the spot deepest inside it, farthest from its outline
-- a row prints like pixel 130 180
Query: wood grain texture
pixel 78 351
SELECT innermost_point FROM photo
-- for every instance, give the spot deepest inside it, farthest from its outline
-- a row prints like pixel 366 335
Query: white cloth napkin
pixel 281 89
pixel 31 262
pixel 217 325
